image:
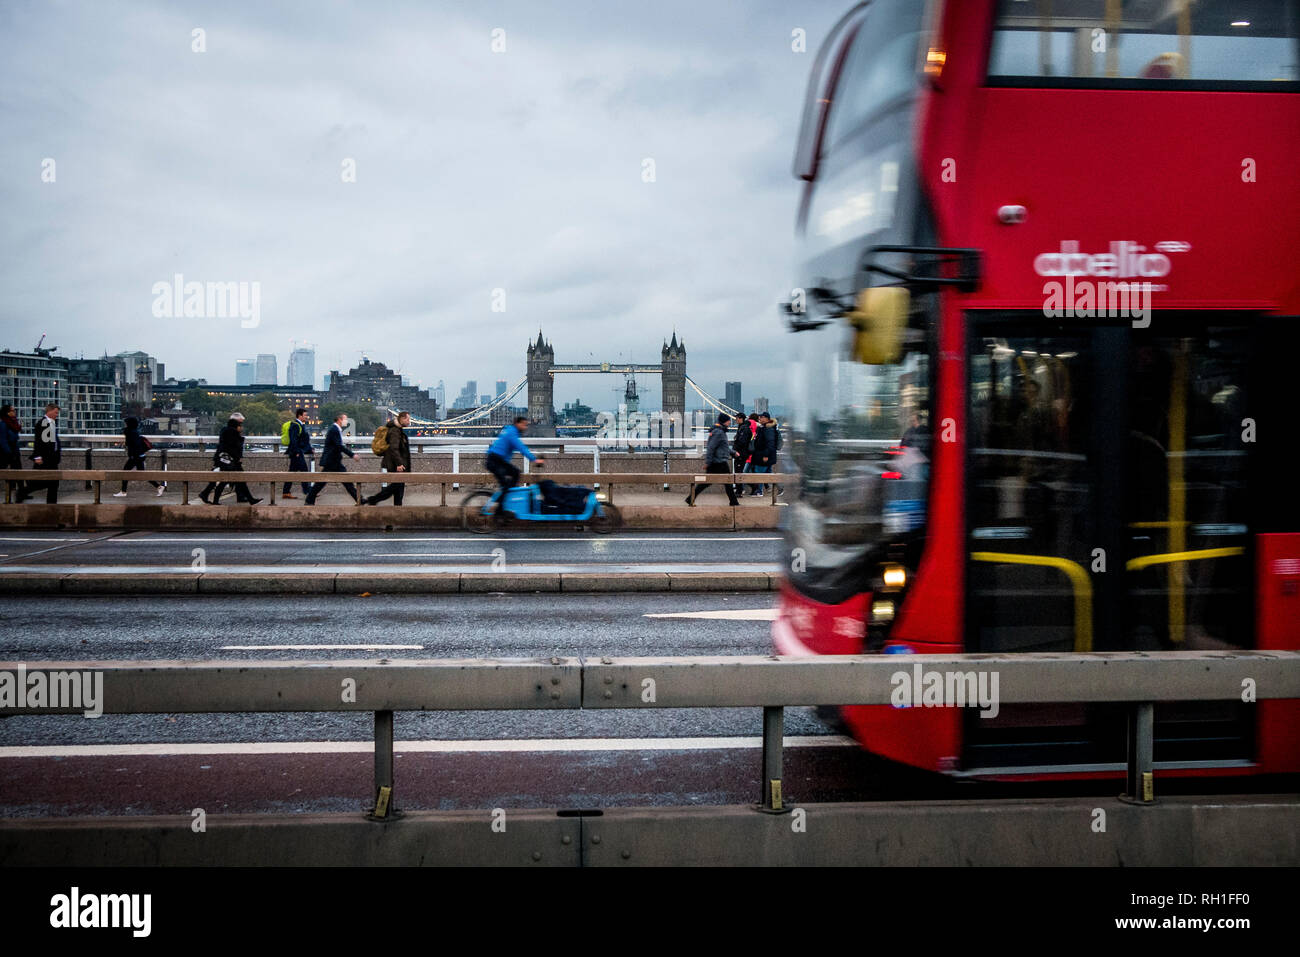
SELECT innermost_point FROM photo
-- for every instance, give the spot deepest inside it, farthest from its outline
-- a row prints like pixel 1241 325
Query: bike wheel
pixel 476 514
pixel 605 523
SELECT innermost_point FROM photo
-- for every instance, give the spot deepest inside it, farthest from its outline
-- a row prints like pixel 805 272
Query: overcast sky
pixel 520 170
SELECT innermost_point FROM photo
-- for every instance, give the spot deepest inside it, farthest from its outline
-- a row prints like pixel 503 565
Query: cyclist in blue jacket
pixel 499 453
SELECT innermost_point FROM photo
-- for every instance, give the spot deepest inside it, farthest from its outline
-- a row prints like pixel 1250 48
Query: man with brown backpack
pixel 397 458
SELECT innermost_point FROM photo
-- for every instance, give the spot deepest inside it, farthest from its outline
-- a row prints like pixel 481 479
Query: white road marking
pixel 538 568
pixel 513 745
pixel 321 647
pixel 736 614
pixel 463 538
pixel 432 555
pixel 44 539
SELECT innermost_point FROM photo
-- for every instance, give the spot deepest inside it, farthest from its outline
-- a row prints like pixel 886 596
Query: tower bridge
pixel 542 369
pixel 540 383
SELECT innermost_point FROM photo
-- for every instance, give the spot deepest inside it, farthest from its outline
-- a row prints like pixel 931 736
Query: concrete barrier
pixel 154 583
pixel 509 582
pixel 377 582
pixel 26 583
pixel 1235 831
pixel 593 582
pixel 719 581
pixel 216 583
pixel 199 517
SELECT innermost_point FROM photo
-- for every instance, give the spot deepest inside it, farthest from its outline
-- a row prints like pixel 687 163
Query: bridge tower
pixel 541 387
pixel 673 377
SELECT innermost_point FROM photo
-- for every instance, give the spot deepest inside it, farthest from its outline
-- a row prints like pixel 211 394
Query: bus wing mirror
pixel 879 318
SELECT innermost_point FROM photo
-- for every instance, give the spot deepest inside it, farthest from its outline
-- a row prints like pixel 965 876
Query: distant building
pixel 265 371
pixel 502 385
pixel 302 367
pixel 576 413
pixel 440 394
pixel 760 404
pixel 468 398
pixel 375 383
pixel 86 390
pixel 325 382
pixel 309 399
pixel 94 399
pixel 243 372
pixel 136 374
pixel 733 399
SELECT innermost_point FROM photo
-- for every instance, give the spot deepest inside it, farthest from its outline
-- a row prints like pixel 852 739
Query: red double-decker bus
pixel 1043 333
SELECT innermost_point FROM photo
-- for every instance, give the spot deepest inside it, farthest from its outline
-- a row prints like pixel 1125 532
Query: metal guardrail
pixel 95 479
pixel 772 683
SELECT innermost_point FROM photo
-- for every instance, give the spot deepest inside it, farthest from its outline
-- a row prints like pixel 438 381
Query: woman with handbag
pixel 137 446
pixel 229 457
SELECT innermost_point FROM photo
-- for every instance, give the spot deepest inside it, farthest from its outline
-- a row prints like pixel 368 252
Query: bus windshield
pixel 861 440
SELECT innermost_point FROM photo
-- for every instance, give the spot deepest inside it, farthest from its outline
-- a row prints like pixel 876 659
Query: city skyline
pixel 595 117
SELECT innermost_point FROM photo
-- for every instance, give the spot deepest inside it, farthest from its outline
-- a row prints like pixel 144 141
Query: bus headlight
pixel 893 577
pixel 882 611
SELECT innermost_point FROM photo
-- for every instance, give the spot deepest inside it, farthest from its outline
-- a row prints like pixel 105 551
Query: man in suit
pixel 47 450
pixel 299 450
pixel 397 458
pixel 331 459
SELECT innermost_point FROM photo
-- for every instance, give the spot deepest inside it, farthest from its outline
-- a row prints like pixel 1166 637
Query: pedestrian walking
pixel 229 457
pixel 137 446
pixel 47 451
pixel 397 458
pixel 299 451
pixel 745 429
pixel 11 435
pixel 767 444
pixel 331 458
pixel 718 456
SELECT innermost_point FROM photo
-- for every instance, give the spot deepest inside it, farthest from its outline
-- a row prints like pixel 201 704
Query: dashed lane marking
pixel 734 614
pixel 322 647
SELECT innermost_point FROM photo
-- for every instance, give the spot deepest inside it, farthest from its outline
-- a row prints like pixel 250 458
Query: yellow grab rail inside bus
pixel 1146 561
pixel 1078 580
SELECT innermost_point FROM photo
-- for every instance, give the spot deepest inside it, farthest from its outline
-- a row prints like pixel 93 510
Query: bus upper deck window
pixel 1197 44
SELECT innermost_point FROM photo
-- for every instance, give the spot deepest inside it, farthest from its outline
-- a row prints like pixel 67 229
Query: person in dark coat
pixel 717 458
pixel 767 443
pixel 229 457
pixel 397 458
pixel 299 451
pixel 136 448
pixel 11 435
pixel 745 429
pixel 331 459
pixel 47 451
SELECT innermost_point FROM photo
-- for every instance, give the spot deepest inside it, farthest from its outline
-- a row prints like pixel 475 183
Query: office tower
pixel 302 367
pixel 264 371
pixel 243 372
